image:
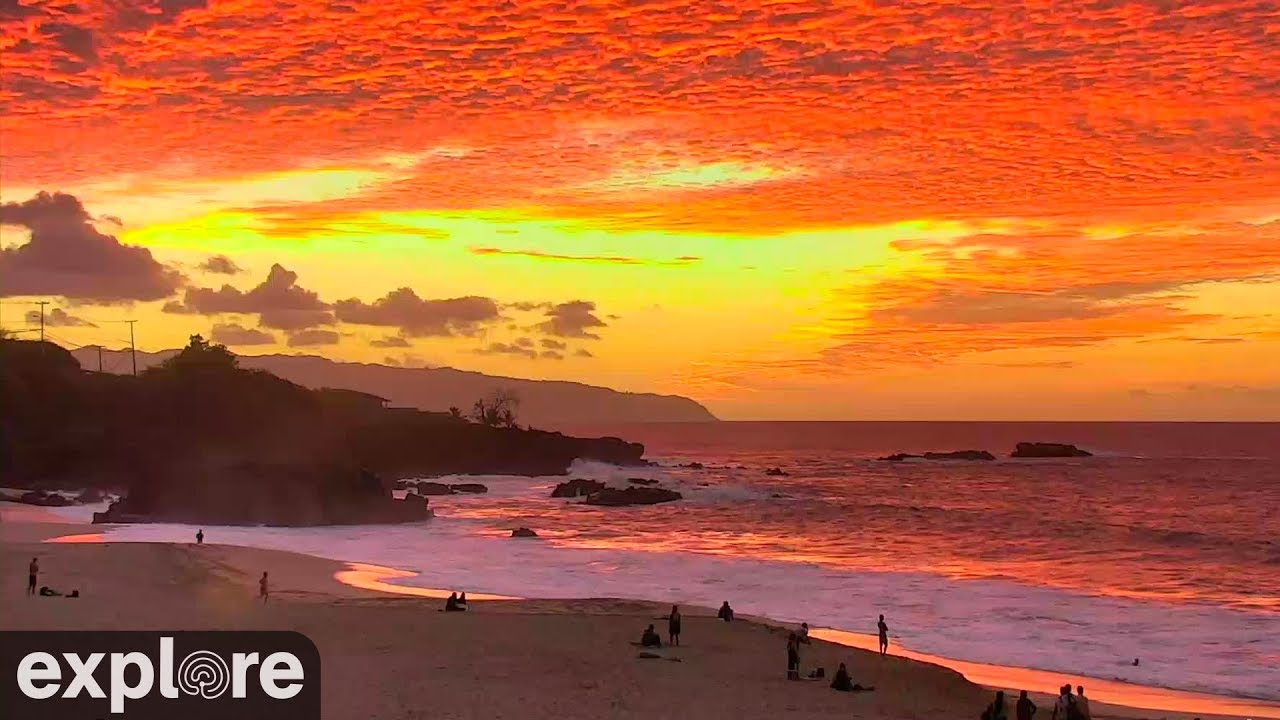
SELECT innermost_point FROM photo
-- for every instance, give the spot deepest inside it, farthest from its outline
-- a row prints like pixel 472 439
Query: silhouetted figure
pixel 451 605
pixel 844 683
pixel 462 601
pixel 200 537
pixel 804 633
pixel 1066 707
pixel 33 571
pixel 884 636
pixel 264 587
pixel 726 612
pixel 996 711
pixel 46 591
pixel 1135 662
pixel 1083 703
pixel 650 638
pixel 673 626
pixel 1025 708
pixel 793 657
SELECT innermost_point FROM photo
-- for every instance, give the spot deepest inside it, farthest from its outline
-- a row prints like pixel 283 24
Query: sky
pixel 784 210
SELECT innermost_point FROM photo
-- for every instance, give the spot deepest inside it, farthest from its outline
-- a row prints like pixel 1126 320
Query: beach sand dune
pixel 399 657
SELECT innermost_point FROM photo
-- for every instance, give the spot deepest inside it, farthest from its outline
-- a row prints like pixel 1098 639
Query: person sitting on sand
pixel 884 636
pixel 726 612
pixel 264 587
pixel 844 683
pixel 1025 708
pixel 1082 702
pixel 650 638
pixel 804 633
pixel 33 571
pixel 451 604
pixel 462 601
pixel 793 657
pixel 673 626
pixel 996 711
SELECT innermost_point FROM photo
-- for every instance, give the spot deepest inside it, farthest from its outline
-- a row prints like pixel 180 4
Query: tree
pixel 200 354
pixel 497 409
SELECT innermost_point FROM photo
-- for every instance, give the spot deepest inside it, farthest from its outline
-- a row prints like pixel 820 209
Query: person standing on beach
pixel 1025 708
pixel 673 626
pixel 1066 707
pixel 33 571
pixel 793 657
pixel 200 536
pixel 1082 703
pixel 264 589
pixel 995 711
pixel 884 636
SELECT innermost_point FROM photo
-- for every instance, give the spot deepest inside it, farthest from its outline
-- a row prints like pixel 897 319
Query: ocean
pixel 1164 546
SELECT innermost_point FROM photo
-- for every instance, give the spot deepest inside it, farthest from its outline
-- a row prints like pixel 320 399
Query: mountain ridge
pixel 543 403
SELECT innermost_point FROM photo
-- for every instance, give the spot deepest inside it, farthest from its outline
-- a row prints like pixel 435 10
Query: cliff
pixel 543 403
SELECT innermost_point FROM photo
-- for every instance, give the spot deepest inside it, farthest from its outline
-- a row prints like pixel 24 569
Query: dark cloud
pixel 221 265
pixel 306 338
pixel 549 344
pixel 391 341
pixel 233 334
pixel 67 256
pixel 58 318
pixel 573 319
pixel 278 301
pixel 551 355
pixel 420 318
pixel 498 348
pixel 583 352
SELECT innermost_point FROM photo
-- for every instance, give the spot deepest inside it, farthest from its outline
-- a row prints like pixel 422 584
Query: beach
pixel 393 655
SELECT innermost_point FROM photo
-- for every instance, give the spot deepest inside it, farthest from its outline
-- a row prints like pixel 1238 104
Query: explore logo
pixel 192 675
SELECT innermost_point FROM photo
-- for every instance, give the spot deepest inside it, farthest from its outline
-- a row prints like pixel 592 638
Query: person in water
pixel 793 657
pixel 673 626
pixel 200 536
pixel 726 612
pixel 1025 708
pixel 844 683
pixel 996 711
pixel 884 636
pixel 264 587
pixel 462 601
pixel 33 572
pixel 650 638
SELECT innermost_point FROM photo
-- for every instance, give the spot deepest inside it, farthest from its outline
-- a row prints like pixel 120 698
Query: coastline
pixel 358 591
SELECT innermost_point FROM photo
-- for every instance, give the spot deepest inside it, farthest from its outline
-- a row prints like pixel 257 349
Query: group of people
pixel 1067 706
pixel 650 637
pixel 456 602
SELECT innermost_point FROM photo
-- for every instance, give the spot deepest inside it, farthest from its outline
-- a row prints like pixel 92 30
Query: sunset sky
pixel 862 210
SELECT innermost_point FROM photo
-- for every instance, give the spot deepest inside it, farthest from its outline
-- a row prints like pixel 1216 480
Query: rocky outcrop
pixel 433 488
pixel 642 481
pixel 44 499
pixel 974 455
pixel 577 487
pixel 469 488
pixel 523 532
pixel 1048 450
pixel 611 497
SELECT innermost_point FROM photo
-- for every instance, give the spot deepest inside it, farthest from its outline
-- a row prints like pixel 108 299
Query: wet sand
pixel 391 655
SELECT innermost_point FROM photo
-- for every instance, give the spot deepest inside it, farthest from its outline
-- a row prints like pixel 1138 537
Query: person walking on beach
pixel 1025 708
pixel 995 711
pixel 884 636
pixel 1082 703
pixel 264 587
pixel 200 536
pixel 673 626
pixel 793 657
pixel 33 572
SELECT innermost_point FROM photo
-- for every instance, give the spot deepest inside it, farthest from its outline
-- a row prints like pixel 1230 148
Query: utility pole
pixel 41 303
pixel 99 359
pixel 133 350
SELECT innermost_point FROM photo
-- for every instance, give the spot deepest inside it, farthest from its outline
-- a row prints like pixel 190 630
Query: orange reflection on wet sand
pixel 1042 681
pixel 375 577
pixel 82 538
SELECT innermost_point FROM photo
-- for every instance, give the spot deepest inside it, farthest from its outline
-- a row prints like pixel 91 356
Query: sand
pixel 395 656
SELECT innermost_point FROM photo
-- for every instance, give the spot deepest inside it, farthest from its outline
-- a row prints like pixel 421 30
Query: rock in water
pixel 953 455
pixel 1048 450
pixel 775 472
pixel 434 488
pixel 577 487
pixel 471 488
pixel 523 532
pixel 642 481
pixel 610 497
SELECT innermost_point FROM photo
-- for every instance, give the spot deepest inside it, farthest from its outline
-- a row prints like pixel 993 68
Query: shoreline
pixel 323 578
